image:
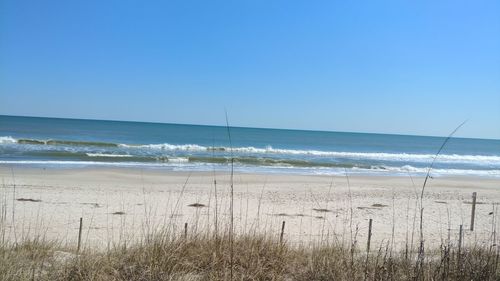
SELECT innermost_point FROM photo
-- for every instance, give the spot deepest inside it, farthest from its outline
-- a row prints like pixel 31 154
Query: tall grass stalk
pixel 421 250
pixel 231 229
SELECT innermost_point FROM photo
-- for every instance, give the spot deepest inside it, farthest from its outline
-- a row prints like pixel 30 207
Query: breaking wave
pixel 250 150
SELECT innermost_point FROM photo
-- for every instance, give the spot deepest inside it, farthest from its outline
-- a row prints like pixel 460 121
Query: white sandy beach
pixel 119 205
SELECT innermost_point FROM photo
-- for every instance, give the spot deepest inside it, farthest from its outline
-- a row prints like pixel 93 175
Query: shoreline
pixel 264 170
pixel 126 203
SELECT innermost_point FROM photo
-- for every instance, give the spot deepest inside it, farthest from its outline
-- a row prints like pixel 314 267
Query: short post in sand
pixel 368 246
pixel 79 236
pixel 369 236
pixel 473 212
pixel 185 230
pixel 282 232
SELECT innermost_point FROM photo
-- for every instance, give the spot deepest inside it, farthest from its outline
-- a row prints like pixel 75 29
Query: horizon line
pixel 245 127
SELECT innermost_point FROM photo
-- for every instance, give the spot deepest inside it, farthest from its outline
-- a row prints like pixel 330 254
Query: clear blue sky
pixel 410 67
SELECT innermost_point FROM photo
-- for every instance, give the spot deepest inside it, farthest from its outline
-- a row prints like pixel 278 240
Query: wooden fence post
pixel 368 247
pixel 473 213
pixel 369 236
pixel 282 231
pixel 80 235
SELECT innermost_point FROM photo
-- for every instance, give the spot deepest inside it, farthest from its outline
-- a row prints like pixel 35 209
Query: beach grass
pixel 256 257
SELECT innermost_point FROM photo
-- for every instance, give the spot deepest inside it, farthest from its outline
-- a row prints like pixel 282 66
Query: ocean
pixel 54 142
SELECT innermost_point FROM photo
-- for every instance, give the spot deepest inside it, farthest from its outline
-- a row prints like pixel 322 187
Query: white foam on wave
pixel 7 140
pixel 88 163
pixel 377 155
pixel 183 165
pixel 463 172
pixel 178 159
pixel 451 158
pixel 493 160
pixel 167 146
pixel 107 155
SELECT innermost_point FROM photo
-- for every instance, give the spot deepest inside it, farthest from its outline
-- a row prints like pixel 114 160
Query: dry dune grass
pixel 255 258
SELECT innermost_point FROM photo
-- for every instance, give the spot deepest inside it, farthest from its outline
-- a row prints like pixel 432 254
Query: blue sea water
pixel 74 142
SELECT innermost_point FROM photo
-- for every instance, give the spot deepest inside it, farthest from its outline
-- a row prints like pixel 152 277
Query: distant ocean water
pixel 73 142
